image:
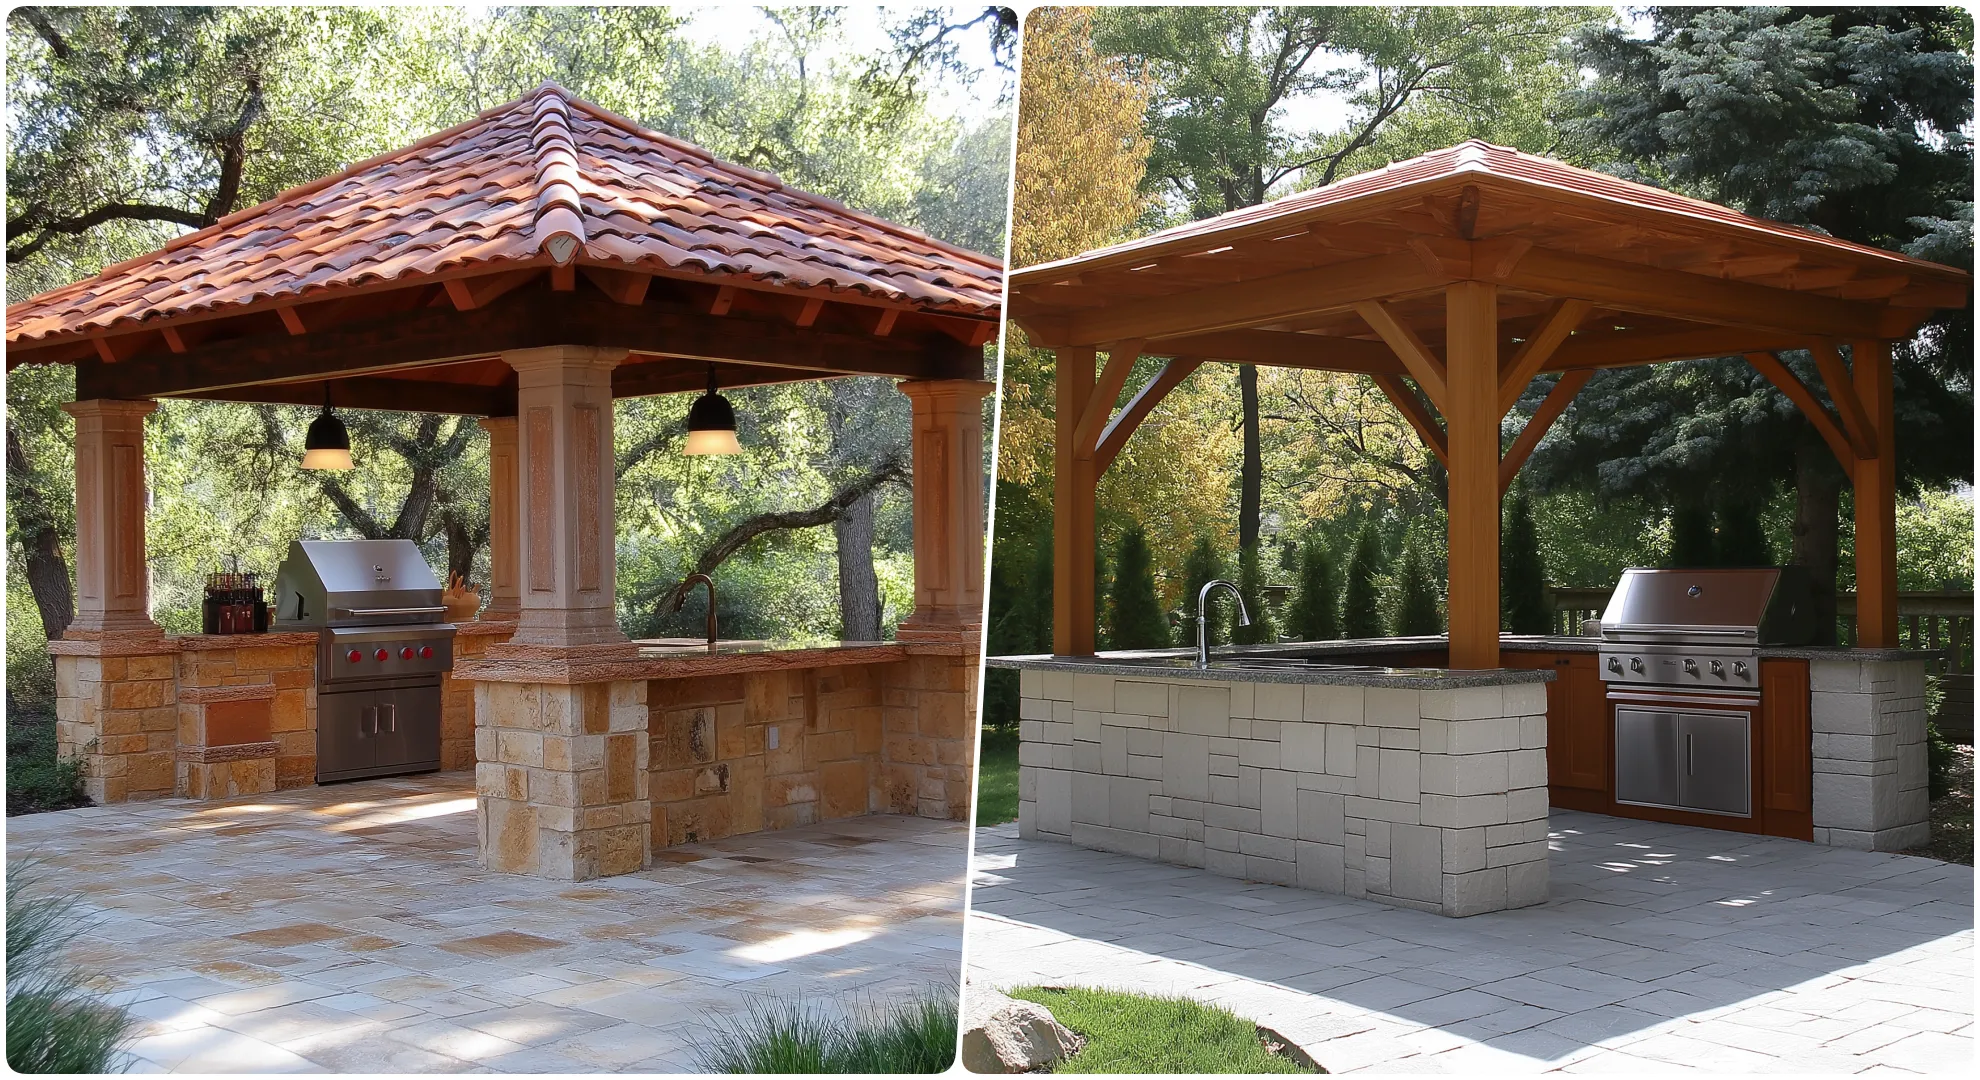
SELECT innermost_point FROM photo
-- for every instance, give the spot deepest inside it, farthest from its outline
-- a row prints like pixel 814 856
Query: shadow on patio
pixel 1662 946
pixel 348 928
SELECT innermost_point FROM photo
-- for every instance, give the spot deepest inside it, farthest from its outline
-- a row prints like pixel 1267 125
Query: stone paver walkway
pixel 347 928
pixel 1663 948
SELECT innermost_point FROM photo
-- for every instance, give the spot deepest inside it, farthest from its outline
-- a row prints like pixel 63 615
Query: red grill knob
pixel 426 652
pixel 406 653
pixel 354 656
pixel 382 654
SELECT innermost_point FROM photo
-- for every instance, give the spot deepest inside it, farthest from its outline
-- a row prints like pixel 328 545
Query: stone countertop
pixel 1240 666
pixel 667 658
pixel 1543 643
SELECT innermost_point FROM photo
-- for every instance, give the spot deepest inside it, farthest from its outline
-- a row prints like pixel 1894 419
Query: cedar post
pixel 504 581
pixel 1875 481
pixel 1471 418
pixel 1072 510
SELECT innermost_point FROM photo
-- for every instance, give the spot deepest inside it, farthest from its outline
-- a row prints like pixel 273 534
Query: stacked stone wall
pixel 1871 782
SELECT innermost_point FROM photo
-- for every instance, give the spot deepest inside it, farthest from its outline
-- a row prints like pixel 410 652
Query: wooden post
pixel 948 503
pixel 505 582
pixel 113 590
pixel 1072 511
pixel 1875 480
pixel 1471 420
pixel 565 554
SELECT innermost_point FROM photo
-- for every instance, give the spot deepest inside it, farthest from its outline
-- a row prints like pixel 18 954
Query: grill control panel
pixel 1679 667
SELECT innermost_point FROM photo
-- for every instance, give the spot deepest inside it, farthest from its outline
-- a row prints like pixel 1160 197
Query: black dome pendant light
pixel 328 445
pixel 711 423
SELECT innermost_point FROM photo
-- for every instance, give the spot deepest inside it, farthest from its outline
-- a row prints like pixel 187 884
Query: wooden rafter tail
pixel 1836 378
pixel 1413 410
pixel 624 286
pixel 1785 380
pixel 471 293
pixel 1425 366
pixel 1113 378
pixel 1123 426
pixel 1560 322
pixel 292 321
pixel 1550 410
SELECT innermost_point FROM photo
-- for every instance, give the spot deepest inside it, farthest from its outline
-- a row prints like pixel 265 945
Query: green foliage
pixel 916 1035
pixel 1522 571
pixel 1416 603
pixel 1940 758
pixel 1137 1033
pixel 54 1024
pixel 1935 541
pixel 37 780
pixel 1691 536
pixel 997 776
pixel 1251 585
pixel 1204 564
pixel 1316 612
pixel 1136 617
pixel 1361 610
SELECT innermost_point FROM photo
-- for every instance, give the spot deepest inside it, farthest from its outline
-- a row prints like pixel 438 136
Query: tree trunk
pixel 47 569
pixel 1252 473
pixel 463 541
pixel 859 587
pixel 1818 490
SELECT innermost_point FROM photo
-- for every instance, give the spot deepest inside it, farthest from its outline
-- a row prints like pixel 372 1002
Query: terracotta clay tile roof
pixel 524 183
pixel 1477 159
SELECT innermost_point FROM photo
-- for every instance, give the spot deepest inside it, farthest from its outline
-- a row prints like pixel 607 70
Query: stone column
pixel 112 586
pixel 504 539
pixel 561 778
pixel 1872 780
pixel 948 504
pixel 565 487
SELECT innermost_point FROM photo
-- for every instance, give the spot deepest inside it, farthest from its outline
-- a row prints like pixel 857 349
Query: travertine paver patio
pixel 347 928
pixel 1662 948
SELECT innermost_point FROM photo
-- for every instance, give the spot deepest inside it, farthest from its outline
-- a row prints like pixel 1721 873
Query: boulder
pixel 1004 1035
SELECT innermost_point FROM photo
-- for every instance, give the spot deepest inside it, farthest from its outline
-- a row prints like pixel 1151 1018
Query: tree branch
pixel 48 228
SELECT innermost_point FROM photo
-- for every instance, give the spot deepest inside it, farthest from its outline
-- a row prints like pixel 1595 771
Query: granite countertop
pixel 1244 665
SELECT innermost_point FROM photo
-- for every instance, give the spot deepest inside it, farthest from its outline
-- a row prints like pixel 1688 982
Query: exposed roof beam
pixel 1674 293
pixel 1418 414
pixel 1425 366
pixel 1533 353
pixel 372 392
pixel 1122 427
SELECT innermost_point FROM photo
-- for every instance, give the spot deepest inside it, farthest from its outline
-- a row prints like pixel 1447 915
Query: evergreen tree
pixel 1416 608
pixel 1103 594
pixel 1691 536
pixel 1522 572
pixel 1316 607
pixel 1251 585
pixel 1361 612
pixel 1136 620
pixel 1740 540
pixel 1204 564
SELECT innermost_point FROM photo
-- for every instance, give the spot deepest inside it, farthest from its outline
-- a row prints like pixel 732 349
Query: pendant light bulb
pixel 712 423
pixel 328 444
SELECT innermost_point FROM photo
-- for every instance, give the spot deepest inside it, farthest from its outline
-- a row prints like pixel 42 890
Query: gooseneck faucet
pixel 1203 617
pixel 680 601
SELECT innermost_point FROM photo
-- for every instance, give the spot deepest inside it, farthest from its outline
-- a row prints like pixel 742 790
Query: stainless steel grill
pixel 382 647
pixel 1681 654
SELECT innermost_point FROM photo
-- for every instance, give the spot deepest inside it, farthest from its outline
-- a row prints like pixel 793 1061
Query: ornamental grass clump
pixel 917 1035
pixel 54 1024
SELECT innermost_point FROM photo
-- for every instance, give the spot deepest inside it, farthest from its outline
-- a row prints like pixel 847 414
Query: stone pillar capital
pixel 549 359
pixel 941 391
pixel 109 408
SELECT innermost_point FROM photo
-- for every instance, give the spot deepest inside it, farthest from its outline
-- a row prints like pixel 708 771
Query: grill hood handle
pixel 392 610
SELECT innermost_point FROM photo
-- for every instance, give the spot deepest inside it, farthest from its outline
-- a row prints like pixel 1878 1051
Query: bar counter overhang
pixel 561 281
pixel 1453 281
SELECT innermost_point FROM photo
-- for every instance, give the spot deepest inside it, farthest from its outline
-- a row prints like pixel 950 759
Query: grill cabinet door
pixel 345 745
pixel 1718 774
pixel 1648 757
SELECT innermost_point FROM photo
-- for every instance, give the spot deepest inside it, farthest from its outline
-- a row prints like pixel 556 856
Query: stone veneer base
pixel 1428 799
pixel 1872 781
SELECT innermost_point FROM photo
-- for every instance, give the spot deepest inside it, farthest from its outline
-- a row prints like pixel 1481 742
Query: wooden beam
pixel 1534 353
pixel 885 325
pixel 725 298
pixel 1785 380
pixel 809 313
pixel 533 319
pixel 563 278
pixel 1550 410
pixel 292 321
pixel 1247 303
pixel 172 339
pixel 1835 377
pixel 473 292
pixel 645 379
pixel 1073 609
pixel 372 392
pixel 1471 418
pixel 1121 356
pixel 1875 500
pixel 1276 348
pixel 1633 287
pixel 1604 348
pixel 1424 366
pixel 1407 402
pixel 624 286
pixel 1123 426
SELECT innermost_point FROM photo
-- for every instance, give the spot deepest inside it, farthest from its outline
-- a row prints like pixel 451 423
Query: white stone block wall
pixel 1428 799
pixel 1871 783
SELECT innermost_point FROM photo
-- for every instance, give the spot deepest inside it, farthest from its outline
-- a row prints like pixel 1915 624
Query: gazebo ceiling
pixel 1667 277
pixel 589 230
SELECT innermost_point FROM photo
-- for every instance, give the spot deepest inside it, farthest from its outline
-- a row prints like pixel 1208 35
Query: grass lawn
pixel 1130 1033
pixel 997 777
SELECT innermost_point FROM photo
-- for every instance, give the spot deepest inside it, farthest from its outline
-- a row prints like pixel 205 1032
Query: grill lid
pixel 356 583
pixel 1761 606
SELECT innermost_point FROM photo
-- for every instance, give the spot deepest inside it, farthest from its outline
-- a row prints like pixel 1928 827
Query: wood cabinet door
pixel 1577 719
pixel 1786 772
